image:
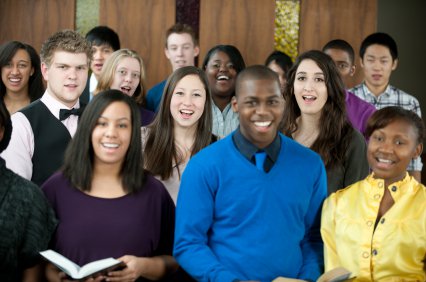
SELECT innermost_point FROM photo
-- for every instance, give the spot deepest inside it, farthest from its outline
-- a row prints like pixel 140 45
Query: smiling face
pixel 310 89
pixel 112 134
pixel 378 65
pixel 260 106
pixel 181 50
pixel 127 76
pixel 390 150
pixel 221 74
pixel 188 101
pixel 66 76
pixel 100 54
pixel 16 74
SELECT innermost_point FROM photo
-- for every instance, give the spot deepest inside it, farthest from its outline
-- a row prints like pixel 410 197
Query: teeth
pixel 125 88
pixel 187 112
pixel 262 123
pixel 223 77
pixel 15 79
pixel 110 145
pixel 309 97
pixel 384 161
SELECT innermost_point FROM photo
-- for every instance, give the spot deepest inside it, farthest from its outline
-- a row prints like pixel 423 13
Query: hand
pixel 53 274
pixel 131 272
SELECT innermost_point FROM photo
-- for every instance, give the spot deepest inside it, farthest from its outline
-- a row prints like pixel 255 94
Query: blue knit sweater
pixel 234 221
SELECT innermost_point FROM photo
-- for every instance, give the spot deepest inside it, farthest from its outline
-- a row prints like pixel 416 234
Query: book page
pixel 335 275
pixel 61 262
pixel 96 266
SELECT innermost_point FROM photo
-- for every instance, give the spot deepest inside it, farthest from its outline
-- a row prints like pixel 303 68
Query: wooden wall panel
pixel 324 20
pixel 141 25
pixel 32 21
pixel 247 24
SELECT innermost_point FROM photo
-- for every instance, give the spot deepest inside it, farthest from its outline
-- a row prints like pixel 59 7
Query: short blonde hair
pixel 108 70
pixel 65 40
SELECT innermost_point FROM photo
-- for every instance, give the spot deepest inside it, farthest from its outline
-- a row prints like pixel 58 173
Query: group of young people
pixel 218 173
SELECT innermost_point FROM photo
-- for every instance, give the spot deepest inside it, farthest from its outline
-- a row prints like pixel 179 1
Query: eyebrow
pixel 316 73
pixel 380 57
pixel 122 118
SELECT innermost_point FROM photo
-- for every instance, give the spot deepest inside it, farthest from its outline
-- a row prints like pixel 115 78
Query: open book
pixel 339 274
pixel 76 272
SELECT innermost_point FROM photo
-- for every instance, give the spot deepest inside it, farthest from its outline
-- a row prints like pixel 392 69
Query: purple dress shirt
pixel 358 111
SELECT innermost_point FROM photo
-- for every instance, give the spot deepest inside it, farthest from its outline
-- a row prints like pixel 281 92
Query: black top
pixel 51 138
pixel 248 150
pixel 26 224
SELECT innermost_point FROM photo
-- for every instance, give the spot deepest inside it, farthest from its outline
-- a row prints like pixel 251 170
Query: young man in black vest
pixel 42 130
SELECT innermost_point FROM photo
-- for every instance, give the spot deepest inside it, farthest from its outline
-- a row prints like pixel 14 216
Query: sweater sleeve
pixel 356 165
pixel 312 246
pixel 194 218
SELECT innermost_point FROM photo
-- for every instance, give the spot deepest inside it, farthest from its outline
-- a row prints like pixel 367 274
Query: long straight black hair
pixel 160 151
pixel 35 83
pixel 79 156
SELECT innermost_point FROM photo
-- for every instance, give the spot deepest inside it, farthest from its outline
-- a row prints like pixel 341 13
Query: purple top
pixel 92 228
pixel 146 116
pixel 359 111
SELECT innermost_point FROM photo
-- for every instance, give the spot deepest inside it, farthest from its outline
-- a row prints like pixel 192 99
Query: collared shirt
pixel 93 82
pixel 19 153
pixel 391 97
pixel 248 150
pixel 395 249
pixel 224 122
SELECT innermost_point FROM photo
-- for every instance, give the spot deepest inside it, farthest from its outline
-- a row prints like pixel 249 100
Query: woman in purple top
pixel 124 70
pixel 107 206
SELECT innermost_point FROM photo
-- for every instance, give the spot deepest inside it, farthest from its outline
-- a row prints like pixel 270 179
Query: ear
pixel 32 71
pixel 45 71
pixel 418 151
pixel 166 52
pixel 361 63
pixel 352 70
pixel 234 104
pixel 196 51
pixel 395 64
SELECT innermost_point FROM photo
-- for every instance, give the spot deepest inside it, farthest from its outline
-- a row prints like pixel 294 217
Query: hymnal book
pixel 94 268
pixel 339 274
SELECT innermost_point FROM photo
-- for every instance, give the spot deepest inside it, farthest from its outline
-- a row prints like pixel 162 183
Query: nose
pixel 308 87
pixel 261 109
pixel 15 69
pixel 72 73
pixel 223 67
pixel 128 77
pixel 111 131
pixel 377 65
pixel 386 147
pixel 97 55
pixel 187 100
pixel 180 51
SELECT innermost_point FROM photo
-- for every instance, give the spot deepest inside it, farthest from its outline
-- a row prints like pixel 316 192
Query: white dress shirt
pixel 18 155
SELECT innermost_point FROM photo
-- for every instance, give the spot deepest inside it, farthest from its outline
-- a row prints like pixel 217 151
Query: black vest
pixel 51 138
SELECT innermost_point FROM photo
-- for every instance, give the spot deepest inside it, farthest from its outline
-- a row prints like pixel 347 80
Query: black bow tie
pixel 64 113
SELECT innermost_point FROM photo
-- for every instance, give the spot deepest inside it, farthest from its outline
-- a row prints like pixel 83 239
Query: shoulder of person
pixel 157 87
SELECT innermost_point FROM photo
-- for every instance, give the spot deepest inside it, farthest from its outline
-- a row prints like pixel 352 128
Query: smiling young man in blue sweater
pixel 249 205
